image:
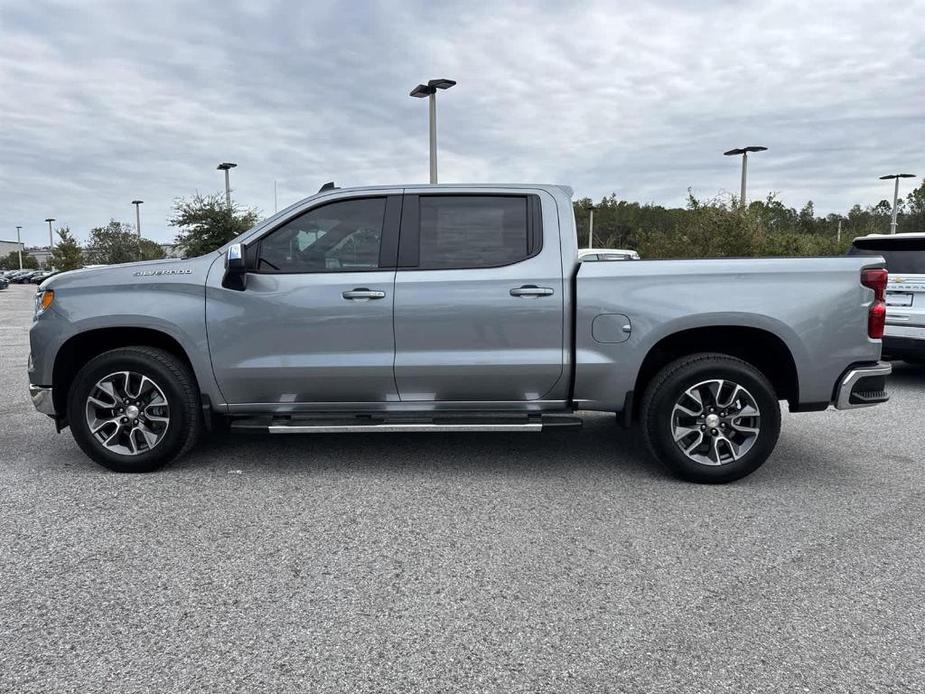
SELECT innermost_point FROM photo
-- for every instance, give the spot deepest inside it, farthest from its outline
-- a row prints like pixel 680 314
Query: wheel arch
pixel 763 349
pixel 79 349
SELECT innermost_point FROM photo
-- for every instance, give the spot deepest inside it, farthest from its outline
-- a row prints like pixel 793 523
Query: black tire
pixel 171 375
pixel 668 387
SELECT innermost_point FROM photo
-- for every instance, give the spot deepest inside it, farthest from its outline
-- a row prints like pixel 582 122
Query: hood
pixel 131 273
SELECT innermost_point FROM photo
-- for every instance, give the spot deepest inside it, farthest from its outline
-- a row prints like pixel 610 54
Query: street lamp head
pixel 441 83
pixel 892 176
pixel 431 87
pixel 50 219
pixel 225 165
pixel 743 150
pixel 137 202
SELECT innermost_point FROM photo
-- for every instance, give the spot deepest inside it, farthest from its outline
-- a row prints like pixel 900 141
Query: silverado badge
pixel 149 273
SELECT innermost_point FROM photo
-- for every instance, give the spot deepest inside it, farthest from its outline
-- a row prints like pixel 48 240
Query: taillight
pixel 876 279
pixel 876 320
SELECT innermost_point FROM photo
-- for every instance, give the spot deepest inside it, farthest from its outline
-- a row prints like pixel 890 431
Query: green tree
pixel 619 223
pixel 205 222
pixel 914 219
pixel 719 227
pixel 11 261
pixel 67 254
pixel 118 243
pixel 713 228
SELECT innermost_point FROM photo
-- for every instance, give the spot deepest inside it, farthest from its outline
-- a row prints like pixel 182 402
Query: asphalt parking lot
pixel 562 561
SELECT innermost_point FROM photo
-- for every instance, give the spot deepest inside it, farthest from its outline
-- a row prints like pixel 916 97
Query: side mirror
pixel 235 268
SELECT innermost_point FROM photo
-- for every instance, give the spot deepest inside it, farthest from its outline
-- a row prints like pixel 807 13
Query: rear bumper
pixel 863 386
pixel 42 399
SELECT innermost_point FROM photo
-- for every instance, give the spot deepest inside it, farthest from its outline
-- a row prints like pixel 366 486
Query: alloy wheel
pixel 127 413
pixel 715 422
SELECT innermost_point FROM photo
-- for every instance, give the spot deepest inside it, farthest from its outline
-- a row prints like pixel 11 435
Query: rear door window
pixel 441 232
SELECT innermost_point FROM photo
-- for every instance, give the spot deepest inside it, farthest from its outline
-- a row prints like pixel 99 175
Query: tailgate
pixel 905 305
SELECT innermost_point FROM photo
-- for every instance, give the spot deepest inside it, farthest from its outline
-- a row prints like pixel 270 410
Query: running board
pixel 373 424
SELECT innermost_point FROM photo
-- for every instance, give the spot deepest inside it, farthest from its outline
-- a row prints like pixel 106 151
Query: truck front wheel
pixel 710 417
pixel 134 409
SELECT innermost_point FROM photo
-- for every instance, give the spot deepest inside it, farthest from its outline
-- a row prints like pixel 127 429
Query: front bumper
pixel 863 386
pixel 42 399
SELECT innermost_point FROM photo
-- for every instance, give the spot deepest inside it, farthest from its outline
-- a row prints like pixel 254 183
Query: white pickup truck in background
pixel 904 337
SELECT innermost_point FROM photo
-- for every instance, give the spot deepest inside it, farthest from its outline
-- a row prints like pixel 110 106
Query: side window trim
pixel 388 244
pixel 409 241
pixel 391 222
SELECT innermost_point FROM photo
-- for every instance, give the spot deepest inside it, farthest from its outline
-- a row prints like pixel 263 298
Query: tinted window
pixel 903 256
pixel 344 236
pixel 473 231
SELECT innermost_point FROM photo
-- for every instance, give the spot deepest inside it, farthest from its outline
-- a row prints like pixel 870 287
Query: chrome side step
pixel 340 424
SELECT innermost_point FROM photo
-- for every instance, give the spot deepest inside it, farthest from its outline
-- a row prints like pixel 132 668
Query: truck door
pixel 478 297
pixel 314 321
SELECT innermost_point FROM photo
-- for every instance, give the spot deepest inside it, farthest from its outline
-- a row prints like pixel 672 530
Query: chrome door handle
pixel 363 294
pixel 531 290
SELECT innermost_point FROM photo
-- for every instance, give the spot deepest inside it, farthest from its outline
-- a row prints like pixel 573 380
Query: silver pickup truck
pixel 451 308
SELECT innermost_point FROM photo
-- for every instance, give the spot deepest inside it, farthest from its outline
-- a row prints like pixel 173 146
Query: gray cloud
pixel 106 102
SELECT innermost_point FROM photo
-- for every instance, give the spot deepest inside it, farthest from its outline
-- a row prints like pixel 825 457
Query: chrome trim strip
pixel 42 399
pixel 842 402
pixel 354 428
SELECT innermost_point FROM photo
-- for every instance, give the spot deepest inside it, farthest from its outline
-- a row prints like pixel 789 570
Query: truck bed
pixel 815 306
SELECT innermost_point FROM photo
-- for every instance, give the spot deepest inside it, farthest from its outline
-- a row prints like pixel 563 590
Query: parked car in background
pixel 904 337
pixel 4 283
pixel 591 254
pixel 19 276
pixel 451 308
pixel 42 276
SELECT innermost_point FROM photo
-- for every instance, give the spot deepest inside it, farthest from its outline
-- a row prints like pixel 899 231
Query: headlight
pixel 43 299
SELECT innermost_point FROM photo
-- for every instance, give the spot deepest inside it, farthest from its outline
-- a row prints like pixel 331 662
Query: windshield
pixel 903 256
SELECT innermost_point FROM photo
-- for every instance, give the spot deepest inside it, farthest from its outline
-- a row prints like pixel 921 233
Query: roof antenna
pixel 327 186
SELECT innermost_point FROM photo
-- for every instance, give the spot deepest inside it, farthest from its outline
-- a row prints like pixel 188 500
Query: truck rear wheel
pixel 711 418
pixel 134 409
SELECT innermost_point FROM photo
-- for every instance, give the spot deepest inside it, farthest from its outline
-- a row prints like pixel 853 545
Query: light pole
pixel 137 204
pixel 19 246
pixel 744 152
pixel 226 166
pixel 896 178
pixel 590 226
pixel 51 239
pixel 430 91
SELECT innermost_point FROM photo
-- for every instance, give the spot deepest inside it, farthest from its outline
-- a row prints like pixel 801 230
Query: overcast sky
pixel 103 102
